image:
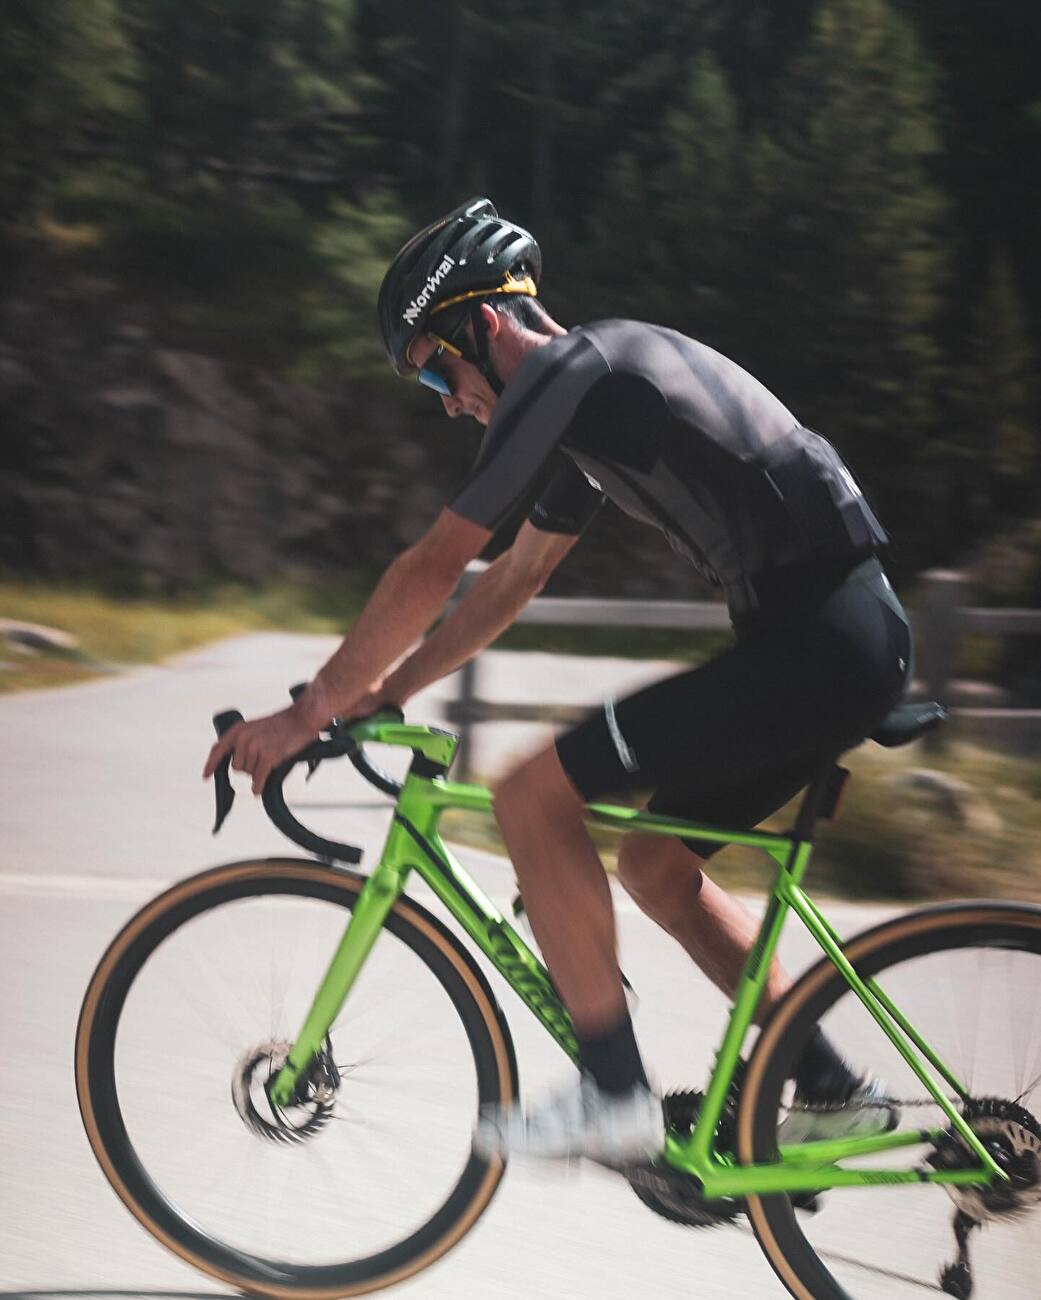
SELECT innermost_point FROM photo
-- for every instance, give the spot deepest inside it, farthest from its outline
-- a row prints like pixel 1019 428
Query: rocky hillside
pixel 127 451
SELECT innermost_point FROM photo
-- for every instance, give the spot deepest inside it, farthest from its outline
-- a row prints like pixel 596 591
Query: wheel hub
pixel 311 1109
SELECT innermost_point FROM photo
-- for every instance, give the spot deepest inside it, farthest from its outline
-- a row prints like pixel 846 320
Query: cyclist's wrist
pixel 316 706
pixel 396 691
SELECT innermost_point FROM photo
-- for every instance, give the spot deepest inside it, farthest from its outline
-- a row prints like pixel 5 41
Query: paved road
pixel 101 803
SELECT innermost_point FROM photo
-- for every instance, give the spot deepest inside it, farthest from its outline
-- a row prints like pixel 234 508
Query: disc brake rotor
pixel 1013 1137
pixel 251 1081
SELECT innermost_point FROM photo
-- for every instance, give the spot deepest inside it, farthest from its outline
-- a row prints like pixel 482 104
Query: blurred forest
pixel 843 195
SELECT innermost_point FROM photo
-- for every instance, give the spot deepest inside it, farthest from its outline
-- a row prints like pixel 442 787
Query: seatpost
pixel 820 799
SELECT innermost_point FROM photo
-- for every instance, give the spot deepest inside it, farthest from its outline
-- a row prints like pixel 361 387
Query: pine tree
pixel 995 439
pixel 856 262
pixel 700 208
pixel 245 93
pixel 63 71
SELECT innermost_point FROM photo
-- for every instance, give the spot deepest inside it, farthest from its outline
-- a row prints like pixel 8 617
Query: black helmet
pixel 471 253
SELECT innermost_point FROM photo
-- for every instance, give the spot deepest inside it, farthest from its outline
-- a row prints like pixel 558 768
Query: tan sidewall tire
pixel 350 883
pixel 915 924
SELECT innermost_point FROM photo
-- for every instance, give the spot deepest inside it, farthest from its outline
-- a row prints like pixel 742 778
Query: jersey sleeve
pixel 526 428
pixel 569 501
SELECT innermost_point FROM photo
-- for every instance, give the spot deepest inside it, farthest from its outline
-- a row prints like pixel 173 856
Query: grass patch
pixel 117 623
pixel 897 837
pixel 114 628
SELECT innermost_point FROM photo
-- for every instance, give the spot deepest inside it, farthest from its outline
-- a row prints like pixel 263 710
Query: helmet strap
pixel 484 361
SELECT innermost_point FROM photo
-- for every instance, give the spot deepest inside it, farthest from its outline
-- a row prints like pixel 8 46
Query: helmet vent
pixel 467 224
pixel 500 246
pixel 489 232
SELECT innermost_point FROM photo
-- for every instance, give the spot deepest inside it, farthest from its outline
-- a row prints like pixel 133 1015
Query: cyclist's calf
pixel 662 877
pixel 667 882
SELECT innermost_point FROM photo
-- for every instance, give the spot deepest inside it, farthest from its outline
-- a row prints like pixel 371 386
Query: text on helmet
pixel 415 308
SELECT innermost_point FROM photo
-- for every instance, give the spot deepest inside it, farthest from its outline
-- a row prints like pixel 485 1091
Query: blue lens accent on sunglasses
pixel 433 379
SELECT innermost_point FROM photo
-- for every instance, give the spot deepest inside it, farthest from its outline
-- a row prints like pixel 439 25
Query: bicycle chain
pixel 829 1108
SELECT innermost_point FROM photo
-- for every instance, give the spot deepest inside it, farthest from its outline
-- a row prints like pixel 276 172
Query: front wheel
pixel 371 1177
pixel 967 977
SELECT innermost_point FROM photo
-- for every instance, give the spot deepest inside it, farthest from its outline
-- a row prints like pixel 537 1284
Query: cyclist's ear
pixel 492 320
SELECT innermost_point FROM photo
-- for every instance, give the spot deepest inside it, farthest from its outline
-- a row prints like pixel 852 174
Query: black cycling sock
pixel 821 1074
pixel 612 1058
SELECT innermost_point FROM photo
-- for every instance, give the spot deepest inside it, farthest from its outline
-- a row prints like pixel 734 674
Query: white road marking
pixel 141 889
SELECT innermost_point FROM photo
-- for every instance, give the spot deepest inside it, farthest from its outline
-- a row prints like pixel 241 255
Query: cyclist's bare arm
pixel 487 609
pixel 407 599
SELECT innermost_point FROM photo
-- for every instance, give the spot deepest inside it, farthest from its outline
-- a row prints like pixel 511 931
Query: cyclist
pixel 684 439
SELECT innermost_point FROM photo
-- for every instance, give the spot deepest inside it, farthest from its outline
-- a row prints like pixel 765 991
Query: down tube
pixel 492 933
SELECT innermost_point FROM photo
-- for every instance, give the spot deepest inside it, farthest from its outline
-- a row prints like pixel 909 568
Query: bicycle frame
pixel 414 844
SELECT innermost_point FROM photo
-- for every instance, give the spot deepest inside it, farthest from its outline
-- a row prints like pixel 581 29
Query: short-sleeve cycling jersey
pixel 676 435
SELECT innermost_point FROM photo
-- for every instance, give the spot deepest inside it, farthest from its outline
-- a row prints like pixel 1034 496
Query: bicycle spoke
pixel 252 970
pixel 976 1008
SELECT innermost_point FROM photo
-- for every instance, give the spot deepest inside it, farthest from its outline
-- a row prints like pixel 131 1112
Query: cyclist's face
pixel 471 393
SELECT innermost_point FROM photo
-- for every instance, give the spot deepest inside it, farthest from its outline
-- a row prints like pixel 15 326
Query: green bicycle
pixel 244 1063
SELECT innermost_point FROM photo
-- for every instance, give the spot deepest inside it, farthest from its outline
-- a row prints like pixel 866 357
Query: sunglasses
pixel 432 373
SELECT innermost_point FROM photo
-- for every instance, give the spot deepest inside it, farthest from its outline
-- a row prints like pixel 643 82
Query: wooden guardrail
pixel 939 624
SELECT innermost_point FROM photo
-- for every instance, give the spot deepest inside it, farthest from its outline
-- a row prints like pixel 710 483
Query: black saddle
pixel 907 722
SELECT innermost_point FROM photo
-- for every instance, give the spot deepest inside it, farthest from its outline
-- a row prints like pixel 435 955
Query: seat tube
pixel 749 995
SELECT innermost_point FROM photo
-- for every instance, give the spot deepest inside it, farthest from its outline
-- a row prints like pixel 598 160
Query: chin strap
pixel 483 361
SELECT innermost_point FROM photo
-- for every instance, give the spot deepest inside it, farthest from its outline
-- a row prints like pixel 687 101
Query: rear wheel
pixel 190 1013
pixel 966 977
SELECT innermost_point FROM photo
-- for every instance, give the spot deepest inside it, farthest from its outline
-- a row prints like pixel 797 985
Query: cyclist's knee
pixel 538 788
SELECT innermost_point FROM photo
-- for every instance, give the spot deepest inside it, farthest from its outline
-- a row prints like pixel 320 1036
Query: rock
pixel 203 382
pixel 951 797
pixel 976 695
pixel 132 333
pixel 34 636
pixel 129 398
pixel 14 377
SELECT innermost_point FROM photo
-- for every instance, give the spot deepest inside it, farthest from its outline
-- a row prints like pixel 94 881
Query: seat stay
pixel 826 938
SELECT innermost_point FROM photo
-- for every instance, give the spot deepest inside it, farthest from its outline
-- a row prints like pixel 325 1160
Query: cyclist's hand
pixel 258 747
pixel 374 699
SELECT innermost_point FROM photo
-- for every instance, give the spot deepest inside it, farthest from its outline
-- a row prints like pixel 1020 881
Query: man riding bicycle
pixel 682 438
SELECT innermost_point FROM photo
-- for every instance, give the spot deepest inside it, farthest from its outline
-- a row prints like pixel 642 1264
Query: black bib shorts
pixel 812 672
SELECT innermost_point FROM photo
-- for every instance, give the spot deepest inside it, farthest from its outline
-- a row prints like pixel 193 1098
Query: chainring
pixel 677 1196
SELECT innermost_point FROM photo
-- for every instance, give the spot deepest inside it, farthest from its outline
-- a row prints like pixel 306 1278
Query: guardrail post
pixel 462 768
pixel 463 713
pixel 944 592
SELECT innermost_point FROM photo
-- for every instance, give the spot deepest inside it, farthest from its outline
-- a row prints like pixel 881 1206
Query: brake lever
pixel 223 790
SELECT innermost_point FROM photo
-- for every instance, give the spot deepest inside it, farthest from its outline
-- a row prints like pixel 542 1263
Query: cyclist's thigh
pixel 738 712
pixel 734 739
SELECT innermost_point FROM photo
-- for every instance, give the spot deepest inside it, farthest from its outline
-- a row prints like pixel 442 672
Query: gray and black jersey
pixel 679 436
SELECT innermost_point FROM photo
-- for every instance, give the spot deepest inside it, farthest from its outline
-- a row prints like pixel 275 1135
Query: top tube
pixel 439 746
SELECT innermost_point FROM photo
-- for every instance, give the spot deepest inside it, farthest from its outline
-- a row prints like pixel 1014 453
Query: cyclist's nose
pixel 452 405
